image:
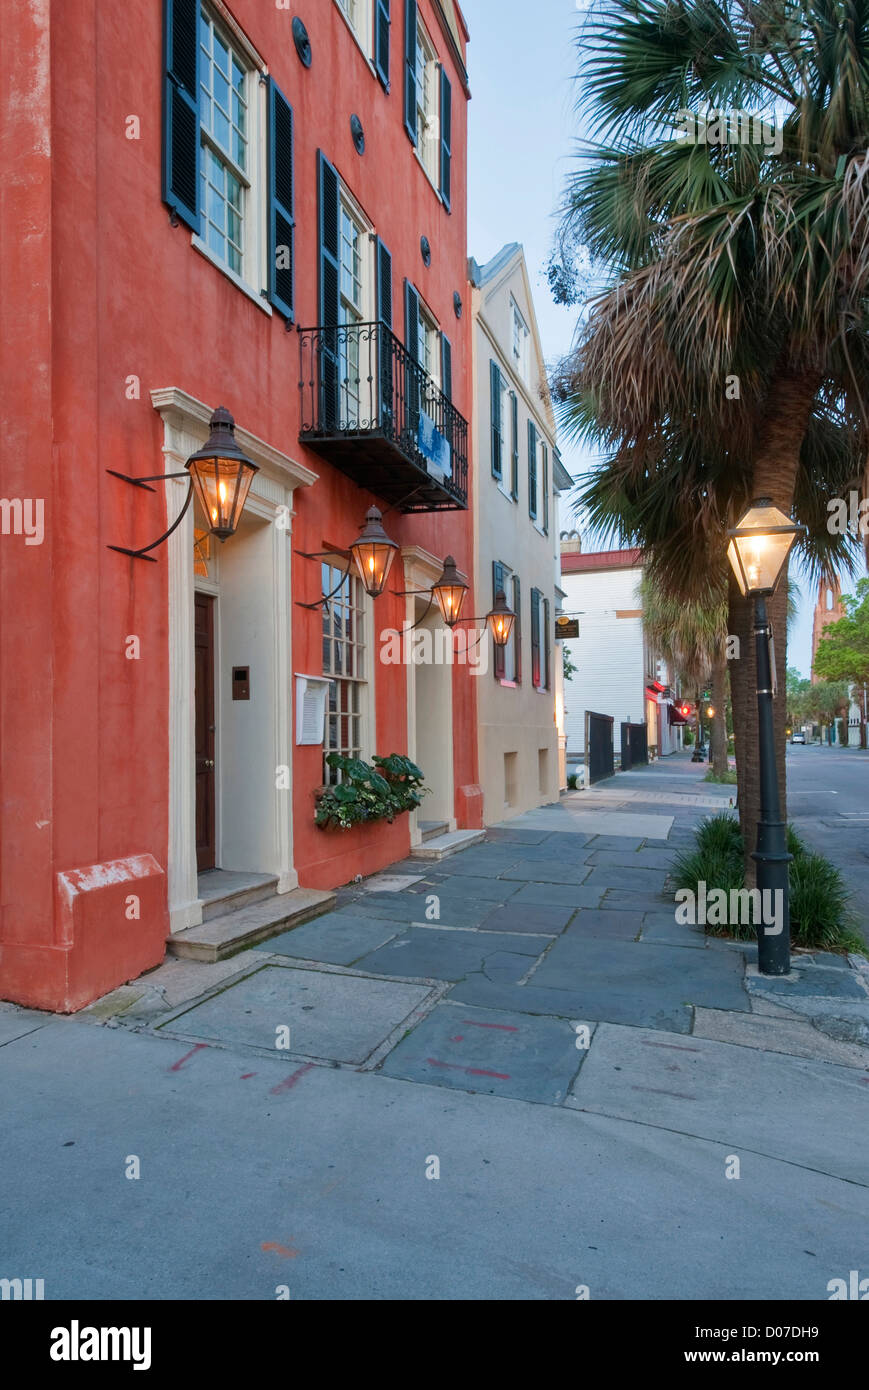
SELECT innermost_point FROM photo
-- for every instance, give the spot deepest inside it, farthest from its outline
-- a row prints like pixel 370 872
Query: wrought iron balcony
pixel 376 414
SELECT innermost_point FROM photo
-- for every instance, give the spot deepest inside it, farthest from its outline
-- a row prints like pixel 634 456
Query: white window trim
pixel 433 178
pixel 367 307
pixel 367 26
pixel 255 226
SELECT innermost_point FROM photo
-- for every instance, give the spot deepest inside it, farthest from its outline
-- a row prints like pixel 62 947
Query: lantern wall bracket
pixel 142 554
pixel 321 555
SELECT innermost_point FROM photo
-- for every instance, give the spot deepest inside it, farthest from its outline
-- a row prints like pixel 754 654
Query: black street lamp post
pixel 758 549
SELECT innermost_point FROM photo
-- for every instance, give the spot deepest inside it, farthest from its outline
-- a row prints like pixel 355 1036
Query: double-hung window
pixel 353 242
pixel 344 660
pixel 223 131
pixel 519 342
pixel 228 152
pixel 427 131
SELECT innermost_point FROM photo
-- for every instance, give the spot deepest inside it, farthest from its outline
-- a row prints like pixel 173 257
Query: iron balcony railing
pixel 360 386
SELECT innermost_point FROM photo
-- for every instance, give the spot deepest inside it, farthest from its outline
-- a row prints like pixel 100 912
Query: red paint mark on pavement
pixel 176 1066
pixel 246 1075
pixel 680 1095
pixel 285 1250
pixel 289 1082
pixel 676 1047
pixel 505 1027
pixel 460 1037
pixel 469 1071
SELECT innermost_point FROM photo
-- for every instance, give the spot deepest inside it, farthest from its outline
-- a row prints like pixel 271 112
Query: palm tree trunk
pixel 718 736
pixel 788 407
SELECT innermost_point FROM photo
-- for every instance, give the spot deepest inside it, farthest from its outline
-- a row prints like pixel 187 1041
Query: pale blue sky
pixel 522 60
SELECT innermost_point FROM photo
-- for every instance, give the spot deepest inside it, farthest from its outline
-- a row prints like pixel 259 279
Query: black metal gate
pixel 598 746
pixel 635 745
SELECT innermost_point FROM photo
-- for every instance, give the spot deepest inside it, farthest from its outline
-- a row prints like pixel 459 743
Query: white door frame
pixel 185 429
pixel 421 571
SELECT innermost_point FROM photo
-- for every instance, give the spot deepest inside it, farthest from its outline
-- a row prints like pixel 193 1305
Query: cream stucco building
pixel 517 476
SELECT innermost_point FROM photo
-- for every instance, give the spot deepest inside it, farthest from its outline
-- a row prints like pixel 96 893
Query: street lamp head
pixel 450 592
pixel 759 547
pixel 221 474
pixel 374 553
pixel 501 619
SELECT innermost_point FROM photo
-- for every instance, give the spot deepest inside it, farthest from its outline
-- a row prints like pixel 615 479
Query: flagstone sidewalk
pixel 525 1021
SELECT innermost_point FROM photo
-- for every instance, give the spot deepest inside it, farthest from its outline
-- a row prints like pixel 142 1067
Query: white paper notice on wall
pixel 311 692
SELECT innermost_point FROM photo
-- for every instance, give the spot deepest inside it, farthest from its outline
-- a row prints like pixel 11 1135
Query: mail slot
pixel 241 682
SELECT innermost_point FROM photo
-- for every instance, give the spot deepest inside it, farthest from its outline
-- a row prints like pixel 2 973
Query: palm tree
pixel 692 636
pixel 674 509
pixel 736 314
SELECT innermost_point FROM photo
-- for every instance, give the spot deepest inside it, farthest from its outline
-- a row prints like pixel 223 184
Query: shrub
pixel 729 776
pixel 819 899
pixel 571 781
pixel 367 793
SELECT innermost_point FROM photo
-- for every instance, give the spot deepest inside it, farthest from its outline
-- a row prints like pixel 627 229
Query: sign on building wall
pixel 566 627
pixel 311 692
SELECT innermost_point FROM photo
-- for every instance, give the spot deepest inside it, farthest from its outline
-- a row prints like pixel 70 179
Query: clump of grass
pixel 819 904
pixel 821 918
pixel 729 776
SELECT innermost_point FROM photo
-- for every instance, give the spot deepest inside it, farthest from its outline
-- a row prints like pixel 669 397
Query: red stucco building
pixel 260 206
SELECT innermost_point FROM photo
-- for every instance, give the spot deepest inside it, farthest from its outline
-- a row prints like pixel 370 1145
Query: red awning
pixel 674 716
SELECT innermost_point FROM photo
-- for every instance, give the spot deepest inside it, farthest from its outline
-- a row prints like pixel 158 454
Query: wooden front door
pixel 205 731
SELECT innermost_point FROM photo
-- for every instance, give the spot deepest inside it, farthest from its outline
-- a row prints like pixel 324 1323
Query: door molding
pixel 185 429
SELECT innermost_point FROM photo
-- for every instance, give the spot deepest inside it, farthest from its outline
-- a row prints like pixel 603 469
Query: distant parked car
pixel 798 736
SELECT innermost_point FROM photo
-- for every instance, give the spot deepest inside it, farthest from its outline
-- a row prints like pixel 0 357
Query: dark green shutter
pixel 412 371
pixel 410 22
pixel 329 205
pixel 411 320
pixel 446 367
pixel 546 641
pixel 495 408
pixel 532 469
pixel 446 138
pixel 535 637
pixel 514 446
pixel 384 284
pixel 381 42
pixel 281 198
pixel 517 628
pixel 545 489
pixel 498 582
pixel 385 355
pixel 181 109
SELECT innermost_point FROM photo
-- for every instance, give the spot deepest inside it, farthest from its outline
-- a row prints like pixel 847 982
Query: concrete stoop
pixel 247 925
pixel 442 846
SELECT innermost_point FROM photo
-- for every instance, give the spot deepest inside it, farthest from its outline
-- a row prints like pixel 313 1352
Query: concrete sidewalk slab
pixel 530 1202
pixel 17 1023
pixel 339 1018
pixel 496 1053
pixel 796 1037
pixel 613 824
pixel 432 954
pixel 750 1101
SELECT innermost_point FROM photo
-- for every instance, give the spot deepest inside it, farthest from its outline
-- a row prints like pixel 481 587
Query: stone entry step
pixel 442 846
pixel 430 829
pixel 223 891
pixel 234 931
